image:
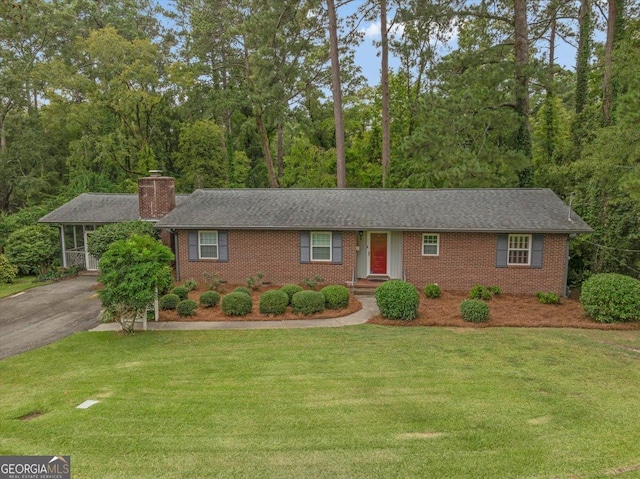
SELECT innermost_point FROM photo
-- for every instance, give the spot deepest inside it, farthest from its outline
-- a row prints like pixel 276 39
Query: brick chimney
pixel 156 195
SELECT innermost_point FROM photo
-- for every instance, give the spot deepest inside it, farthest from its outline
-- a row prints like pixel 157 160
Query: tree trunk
pixel 336 87
pixel 549 119
pixel 384 85
pixel 583 55
pixel 607 88
pixel 268 158
pixel 280 153
pixel 521 51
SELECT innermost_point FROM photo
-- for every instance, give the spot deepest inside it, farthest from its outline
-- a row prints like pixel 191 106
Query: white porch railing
pixel 76 257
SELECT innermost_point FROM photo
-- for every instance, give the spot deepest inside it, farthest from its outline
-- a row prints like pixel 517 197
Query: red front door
pixel 378 258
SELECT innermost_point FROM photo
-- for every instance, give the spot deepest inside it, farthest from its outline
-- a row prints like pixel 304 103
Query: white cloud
pixel 373 30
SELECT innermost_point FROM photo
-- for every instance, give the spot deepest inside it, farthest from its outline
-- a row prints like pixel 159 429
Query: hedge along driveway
pixel 46 314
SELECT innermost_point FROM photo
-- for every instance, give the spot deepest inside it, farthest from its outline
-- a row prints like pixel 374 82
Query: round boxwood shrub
pixel 397 300
pixel 307 302
pixel 474 310
pixel 187 307
pixel 547 297
pixel 480 292
pixel 190 284
pixel 291 289
pixel 336 296
pixel 209 299
pixel 236 303
pixel 611 298
pixel 432 290
pixel 8 272
pixel 242 289
pixel 274 301
pixel 181 292
pixel 495 290
pixel 168 301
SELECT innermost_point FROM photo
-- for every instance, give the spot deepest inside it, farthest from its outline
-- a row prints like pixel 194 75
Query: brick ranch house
pixel 517 239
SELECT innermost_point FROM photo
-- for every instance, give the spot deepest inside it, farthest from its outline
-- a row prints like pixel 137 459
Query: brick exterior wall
pixel 274 253
pixel 156 196
pixel 466 259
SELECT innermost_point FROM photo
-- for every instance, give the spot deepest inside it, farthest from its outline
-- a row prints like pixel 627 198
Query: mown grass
pixel 364 401
pixel 20 284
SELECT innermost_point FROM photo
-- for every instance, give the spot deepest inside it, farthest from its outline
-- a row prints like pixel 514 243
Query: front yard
pixel 365 401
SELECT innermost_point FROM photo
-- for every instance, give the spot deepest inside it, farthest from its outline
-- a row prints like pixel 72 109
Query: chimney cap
pixel 155 173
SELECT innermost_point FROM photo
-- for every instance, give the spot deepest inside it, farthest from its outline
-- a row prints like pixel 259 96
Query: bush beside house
pixel 611 298
pixel 397 300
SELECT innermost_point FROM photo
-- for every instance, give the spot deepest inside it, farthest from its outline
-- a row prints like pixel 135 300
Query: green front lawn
pixel 366 401
pixel 20 284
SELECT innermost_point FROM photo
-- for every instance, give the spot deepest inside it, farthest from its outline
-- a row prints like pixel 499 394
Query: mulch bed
pixel 506 310
pixel 216 314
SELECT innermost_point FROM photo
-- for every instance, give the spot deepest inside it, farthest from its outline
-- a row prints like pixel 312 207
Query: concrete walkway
pixel 369 309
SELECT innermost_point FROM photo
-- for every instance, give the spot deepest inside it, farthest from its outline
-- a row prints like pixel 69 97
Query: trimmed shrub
pixel 190 284
pixel 307 302
pixel 187 307
pixel 474 310
pixel 33 249
pixel 611 298
pixel 181 292
pixel 168 301
pixel 236 304
pixel 273 302
pixel 209 299
pixel 291 289
pixel 397 300
pixel 99 241
pixel 432 290
pixel 242 289
pixel 548 298
pixel 336 296
pixel 495 290
pixel 480 292
pixel 8 272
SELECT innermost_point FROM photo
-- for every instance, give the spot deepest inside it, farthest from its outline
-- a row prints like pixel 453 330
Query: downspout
pixel 566 269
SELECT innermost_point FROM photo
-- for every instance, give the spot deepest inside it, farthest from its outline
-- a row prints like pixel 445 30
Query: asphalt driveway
pixel 43 315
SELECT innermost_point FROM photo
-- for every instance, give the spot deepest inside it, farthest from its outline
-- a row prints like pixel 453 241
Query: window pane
pixel 321 253
pixel 430 244
pixel 321 239
pixel 430 249
pixel 208 237
pixel 208 251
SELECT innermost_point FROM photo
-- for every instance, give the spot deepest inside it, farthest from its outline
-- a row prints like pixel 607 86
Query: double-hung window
pixel 519 251
pixel 320 246
pixel 208 244
pixel 430 244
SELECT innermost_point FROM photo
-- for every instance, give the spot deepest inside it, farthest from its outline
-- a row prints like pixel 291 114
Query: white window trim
pixel 437 253
pixel 528 250
pixel 330 246
pixel 217 245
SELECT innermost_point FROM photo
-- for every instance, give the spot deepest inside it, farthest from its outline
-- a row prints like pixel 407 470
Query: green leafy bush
pixel 168 301
pixel 307 302
pixel 236 304
pixel 397 300
pixel 242 289
pixel 548 297
pixel 208 299
pixel 187 307
pixel 611 298
pixel 100 240
pixel 8 272
pixel 273 302
pixel 474 310
pixel 212 280
pixel 480 292
pixel 291 289
pixel 33 249
pixel 336 296
pixel 253 282
pixel 181 292
pixel 313 282
pixel 432 290
pixel 190 284
pixel 495 290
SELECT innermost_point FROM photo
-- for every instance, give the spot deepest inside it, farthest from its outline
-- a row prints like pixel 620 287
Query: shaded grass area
pixel 364 401
pixel 20 284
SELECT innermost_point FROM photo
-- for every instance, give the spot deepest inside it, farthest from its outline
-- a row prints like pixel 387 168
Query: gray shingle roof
pixel 98 208
pixel 480 210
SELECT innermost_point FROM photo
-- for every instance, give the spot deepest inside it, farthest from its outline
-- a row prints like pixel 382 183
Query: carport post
pixel 63 248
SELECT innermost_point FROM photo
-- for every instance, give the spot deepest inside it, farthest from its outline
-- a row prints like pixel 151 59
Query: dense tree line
pixel 248 93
